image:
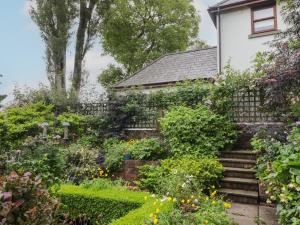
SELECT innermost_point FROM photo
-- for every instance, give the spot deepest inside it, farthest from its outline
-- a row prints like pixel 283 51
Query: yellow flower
pixel 145 198
pixel 227 205
pixel 213 194
pixel 206 221
pixel 206 199
pixel 157 210
pixel 182 201
pixel 151 215
pixel 169 199
pixel 174 200
pixel 193 205
pixel 192 196
pixel 188 201
pixel 213 202
pixel 155 221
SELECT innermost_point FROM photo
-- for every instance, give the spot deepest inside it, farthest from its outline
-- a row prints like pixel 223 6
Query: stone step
pixel 239 154
pixel 238 163
pixel 239 183
pixel 240 196
pixel 239 172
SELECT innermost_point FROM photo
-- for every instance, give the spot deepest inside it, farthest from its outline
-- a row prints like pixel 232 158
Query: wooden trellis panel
pixel 247 107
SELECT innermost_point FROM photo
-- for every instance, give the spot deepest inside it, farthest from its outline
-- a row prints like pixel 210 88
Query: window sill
pixel 262 34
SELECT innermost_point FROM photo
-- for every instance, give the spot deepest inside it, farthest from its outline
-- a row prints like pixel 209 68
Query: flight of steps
pixel 239 183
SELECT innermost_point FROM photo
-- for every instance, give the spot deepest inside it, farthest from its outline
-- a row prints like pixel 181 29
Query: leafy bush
pixel 181 177
pixel 114 206
pixel 81 163
pixel 279 167
pixel 197 131
pixel 114 150
pixel 20 122
pixel 40 157
pixel 146 149
pixel 76 121
pixel 25 201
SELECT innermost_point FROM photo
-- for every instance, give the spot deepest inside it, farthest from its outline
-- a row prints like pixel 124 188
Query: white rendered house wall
pixel 236 42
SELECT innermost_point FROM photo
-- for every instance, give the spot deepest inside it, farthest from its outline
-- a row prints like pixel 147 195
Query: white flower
pixel 165 198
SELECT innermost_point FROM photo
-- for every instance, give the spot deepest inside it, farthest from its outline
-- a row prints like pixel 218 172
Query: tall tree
pixel 136 32
pixel 90 14
pixel 54 19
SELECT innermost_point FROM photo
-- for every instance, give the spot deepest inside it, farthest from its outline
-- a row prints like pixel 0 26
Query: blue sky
pixel 22 50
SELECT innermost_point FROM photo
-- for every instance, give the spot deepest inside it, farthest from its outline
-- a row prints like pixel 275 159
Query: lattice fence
pixel 247 108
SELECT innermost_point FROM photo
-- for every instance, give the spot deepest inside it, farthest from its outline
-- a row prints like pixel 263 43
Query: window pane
pixel 263 13
pixel 264 25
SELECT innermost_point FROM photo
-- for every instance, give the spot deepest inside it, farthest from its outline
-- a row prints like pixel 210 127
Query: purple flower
pixel 298 123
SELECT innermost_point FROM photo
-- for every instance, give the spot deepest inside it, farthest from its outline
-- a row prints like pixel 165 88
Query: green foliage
pixel 110 76
pixel 279 167
pixel 138 32
pixel 114 150
pixel 196 131
pixel 80 163
pixel 107 205
pixel 20 122
pixel 76 127
pixel 39 157
pixel 181 177
pixel 146 149
pixel 25 201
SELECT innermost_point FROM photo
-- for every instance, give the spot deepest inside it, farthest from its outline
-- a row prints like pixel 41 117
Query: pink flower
pixel 7 196
pixel 298 123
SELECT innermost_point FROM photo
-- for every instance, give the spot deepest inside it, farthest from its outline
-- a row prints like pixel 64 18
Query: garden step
pixel 240 196
pixel 239 183
pixel 238 163
pixel 240 154
pixel 239 172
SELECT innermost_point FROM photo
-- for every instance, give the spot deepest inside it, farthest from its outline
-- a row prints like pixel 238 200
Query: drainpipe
pixel 219 41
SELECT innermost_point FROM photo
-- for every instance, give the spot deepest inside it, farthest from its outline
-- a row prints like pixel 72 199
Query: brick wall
pixel 130 170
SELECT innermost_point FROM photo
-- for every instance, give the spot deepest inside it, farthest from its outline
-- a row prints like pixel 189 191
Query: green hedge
pixel 115 206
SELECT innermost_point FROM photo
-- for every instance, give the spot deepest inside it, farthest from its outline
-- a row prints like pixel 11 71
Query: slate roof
pixel 174 67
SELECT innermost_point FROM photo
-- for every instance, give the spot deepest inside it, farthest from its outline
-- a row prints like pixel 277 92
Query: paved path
pixel 244 214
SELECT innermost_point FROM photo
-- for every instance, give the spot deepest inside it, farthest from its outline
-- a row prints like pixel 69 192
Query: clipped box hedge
pixel 109 206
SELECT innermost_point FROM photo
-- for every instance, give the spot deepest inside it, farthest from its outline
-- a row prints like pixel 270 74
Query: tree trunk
pixel 83 39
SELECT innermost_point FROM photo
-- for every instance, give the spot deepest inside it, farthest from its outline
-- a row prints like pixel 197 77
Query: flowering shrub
pixel 181 177
pixel 281 171
pixel 25 201
pixel 81 162
pixel 197 131
pixel 195 210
